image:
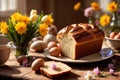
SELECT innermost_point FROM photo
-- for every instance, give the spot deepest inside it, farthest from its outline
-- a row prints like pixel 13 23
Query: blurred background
pixel 62 10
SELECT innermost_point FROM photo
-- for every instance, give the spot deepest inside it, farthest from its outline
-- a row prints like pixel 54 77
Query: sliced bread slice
pixel 54 69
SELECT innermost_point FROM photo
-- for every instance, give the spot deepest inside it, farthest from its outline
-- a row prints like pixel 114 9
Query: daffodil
pixel 77 6
pixel 25 19
pixel 21 28
pixel 3 27
pixel 16 17
pixel 95 6
pixel 43 29
pixel 112 7
pixel 104 20
pixel 47 19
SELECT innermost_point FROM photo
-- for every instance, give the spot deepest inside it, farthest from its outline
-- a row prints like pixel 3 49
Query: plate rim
pixel 46 54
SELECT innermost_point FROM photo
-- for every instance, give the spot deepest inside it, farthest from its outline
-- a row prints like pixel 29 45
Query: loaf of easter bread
pixel 80 40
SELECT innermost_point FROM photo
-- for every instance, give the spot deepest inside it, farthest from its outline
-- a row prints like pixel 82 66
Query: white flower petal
pixel 44 18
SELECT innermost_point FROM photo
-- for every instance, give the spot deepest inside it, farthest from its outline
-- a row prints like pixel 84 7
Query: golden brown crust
pixel 81 32
pixel 89 48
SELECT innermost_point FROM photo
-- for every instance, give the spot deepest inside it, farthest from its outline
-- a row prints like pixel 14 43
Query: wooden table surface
pixel 12 70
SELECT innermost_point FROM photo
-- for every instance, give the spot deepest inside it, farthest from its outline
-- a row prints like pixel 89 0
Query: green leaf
pixel 13 32
pixel 104 75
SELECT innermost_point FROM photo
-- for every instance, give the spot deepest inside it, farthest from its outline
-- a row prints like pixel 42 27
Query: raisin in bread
pixel 79 40
pixel 54 69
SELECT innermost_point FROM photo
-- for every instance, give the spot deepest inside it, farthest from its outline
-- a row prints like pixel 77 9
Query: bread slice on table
pixel 54 69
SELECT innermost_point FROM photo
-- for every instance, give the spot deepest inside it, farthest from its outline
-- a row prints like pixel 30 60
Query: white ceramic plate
pixel 88 59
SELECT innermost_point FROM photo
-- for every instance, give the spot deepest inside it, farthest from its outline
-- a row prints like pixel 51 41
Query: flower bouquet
pixel 92 13
pixel 111 21
pixel 20 29
pixel 97 16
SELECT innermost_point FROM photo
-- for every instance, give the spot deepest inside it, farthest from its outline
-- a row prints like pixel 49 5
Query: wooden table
pixel 12 70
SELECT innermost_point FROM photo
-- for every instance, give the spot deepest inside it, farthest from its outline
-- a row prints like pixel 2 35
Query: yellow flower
pixel 104 20
pixel 47 19
pixel 113 7
pixel 3 27
pixel 16 17
pixel 21 27
pixel 25 19
pixel 77 6
pixel 43 29
pixel 95 6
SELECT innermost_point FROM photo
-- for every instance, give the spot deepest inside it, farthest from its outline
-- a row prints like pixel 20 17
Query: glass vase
pixel 90 20
pixel 106 29
pixel 114 23
pixel 21 49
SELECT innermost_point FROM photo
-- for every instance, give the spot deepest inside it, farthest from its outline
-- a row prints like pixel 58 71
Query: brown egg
pixel 54 51
pixel 52 44
pixel 21 58
pixel 119 33
pixel 37 64
pixel 37 38
pixel 38 45
pixel 117 36
pixel 112 34
pixel 50 38
pixel 58 44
